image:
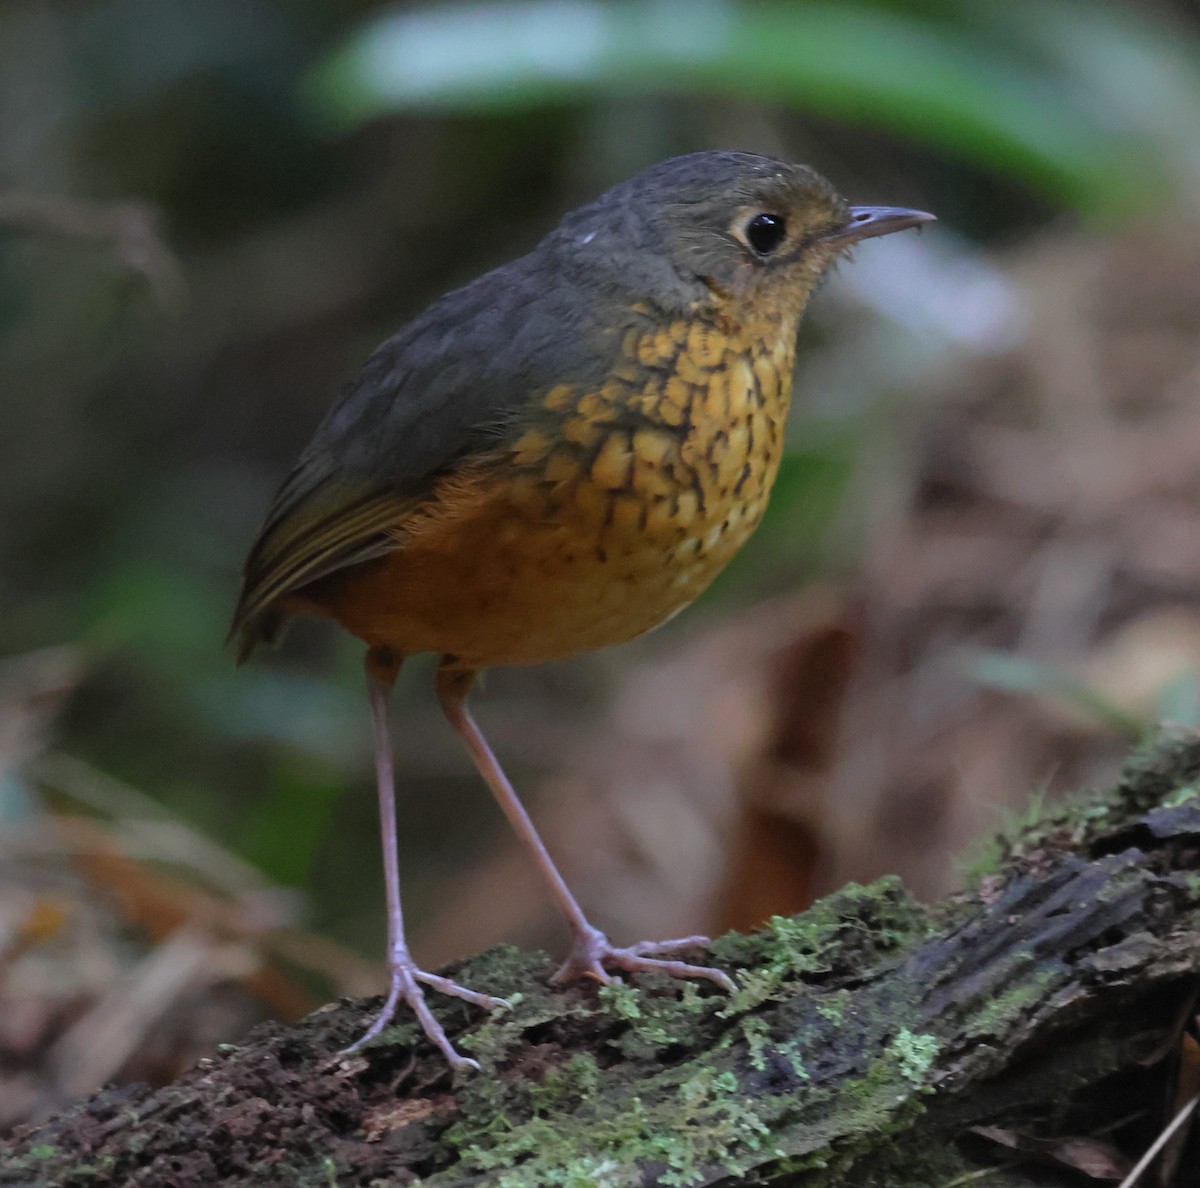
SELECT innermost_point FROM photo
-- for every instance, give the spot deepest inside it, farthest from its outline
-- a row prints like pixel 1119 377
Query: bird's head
pixel 723 226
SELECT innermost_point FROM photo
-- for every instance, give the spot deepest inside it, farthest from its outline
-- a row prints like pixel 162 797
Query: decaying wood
pixel 867 1038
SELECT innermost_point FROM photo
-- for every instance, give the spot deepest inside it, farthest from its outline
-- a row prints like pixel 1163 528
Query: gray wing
pixel 446 386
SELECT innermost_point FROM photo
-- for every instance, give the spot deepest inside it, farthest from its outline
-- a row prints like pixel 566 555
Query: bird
pixel 556 457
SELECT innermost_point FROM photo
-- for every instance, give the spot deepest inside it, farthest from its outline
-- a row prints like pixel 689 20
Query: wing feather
pixel 338 528
pixel 453 383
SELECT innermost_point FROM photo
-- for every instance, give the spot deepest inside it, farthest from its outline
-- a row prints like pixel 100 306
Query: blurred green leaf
pixel 1008 672
pixel 160 612
pixel 135 49
pixel 986 93
pixel 283 831
pixel 267 704
pixel 1180 700
pixel 809 489
pixel 1142 76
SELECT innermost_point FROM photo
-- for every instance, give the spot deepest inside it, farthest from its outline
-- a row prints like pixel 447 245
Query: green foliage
pixel 282 832
pixel 979 81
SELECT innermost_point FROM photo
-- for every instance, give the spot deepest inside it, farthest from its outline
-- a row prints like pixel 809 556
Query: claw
pixel 592 951
pixel 406 988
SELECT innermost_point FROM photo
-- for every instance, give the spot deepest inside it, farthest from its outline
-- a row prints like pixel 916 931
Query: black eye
pixel 765 232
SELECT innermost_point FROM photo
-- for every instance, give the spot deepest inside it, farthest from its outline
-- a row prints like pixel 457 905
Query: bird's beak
pixel 868 221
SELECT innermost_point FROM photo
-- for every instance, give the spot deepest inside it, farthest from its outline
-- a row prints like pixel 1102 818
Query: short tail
pixel 268 627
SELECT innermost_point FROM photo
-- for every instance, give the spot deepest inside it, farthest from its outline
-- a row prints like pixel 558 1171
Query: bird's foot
pixel 407 982
pixel 592 952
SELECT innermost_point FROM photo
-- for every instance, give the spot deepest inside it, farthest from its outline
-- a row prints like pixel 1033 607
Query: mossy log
pixel 866 1038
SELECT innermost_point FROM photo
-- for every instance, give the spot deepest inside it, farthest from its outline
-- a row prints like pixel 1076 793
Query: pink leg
pixel 591 950
pixel 406 977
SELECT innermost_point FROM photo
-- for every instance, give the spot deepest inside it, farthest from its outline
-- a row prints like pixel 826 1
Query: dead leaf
pixel 1093 1158
pixel 392 1116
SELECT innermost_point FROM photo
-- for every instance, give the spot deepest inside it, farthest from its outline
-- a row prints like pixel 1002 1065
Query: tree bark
pixel 867 1037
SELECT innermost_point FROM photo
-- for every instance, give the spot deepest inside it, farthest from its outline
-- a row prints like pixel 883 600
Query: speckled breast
pixel 610 512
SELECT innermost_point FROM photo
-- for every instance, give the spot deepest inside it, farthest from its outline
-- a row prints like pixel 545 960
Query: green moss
pixel 1182 795
pixel 997 1017
pixel 875 1094
pixel 34 1173
pixel 563 1129
pixel 726 1082
pixel 583 1124
pixel 832 1007
pixel 757 1035
pixel 657 1022
pixel 1086 819
pixel 915 1054
pixel 561 1087
pixel 856 923
pixel 872 1110
pixel 1165 772
pixel 1157 769
pixel 530 1002
pixel 761 1043
pixel 640 1121
pixel 676 1125
pixel 902 1162
pixel 987 855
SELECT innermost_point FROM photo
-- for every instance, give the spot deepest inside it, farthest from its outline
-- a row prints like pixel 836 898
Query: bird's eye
pixel 765 232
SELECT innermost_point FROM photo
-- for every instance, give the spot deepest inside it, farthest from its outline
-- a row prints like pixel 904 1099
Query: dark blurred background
pixel 977 581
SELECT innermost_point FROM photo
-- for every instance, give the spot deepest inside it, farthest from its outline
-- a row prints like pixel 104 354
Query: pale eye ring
pixel 765 232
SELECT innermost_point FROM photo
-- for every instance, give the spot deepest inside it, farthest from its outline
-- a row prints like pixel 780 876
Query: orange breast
pixel 608 514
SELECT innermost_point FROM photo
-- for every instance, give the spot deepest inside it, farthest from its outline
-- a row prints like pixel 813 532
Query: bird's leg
pixel 591 950
pixel 382 668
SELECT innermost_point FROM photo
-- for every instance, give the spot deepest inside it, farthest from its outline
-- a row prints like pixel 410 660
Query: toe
pixel 489 1002
pixel 406 988
pixel 579 966
pixel 676 969
pixel 592 952
pixel 662 948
